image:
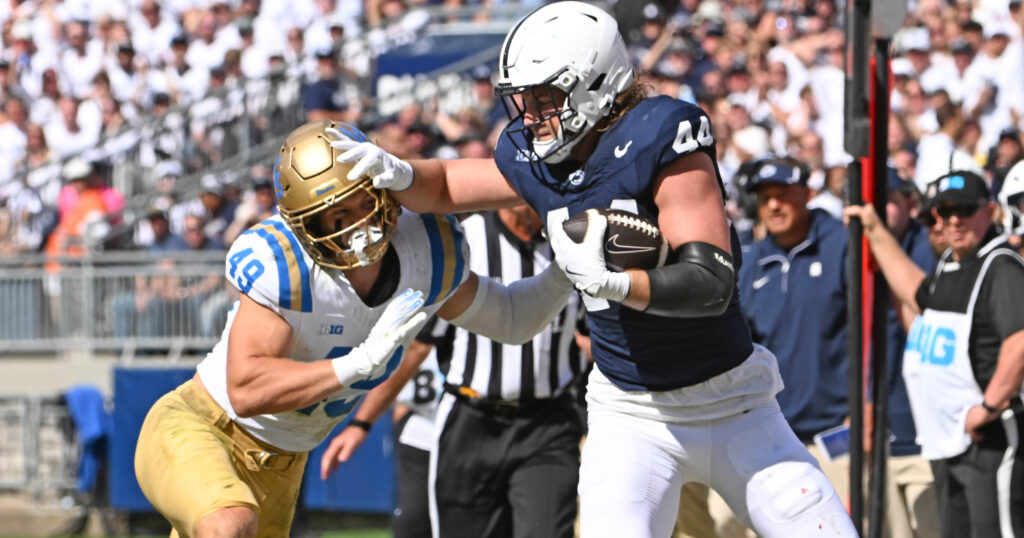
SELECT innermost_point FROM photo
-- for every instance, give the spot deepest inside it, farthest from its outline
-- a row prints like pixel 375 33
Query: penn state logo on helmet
pixel 574 54
pixel 309 180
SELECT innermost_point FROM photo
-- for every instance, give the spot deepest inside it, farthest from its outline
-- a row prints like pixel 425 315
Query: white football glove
pixel 584 263
pixel 386 170
pixel 369 360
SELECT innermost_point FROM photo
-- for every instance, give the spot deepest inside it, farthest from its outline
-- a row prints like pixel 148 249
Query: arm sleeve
pixel 700 282
pixel 514 314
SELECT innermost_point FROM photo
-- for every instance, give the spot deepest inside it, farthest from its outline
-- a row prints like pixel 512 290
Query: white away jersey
pixel 328 319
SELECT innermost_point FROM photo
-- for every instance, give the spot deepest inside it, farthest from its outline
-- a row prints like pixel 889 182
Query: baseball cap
pixel 653 12
pixel 481 72
pixel 961 46
pixel 156 213
pixel 262 183
pixel 210 183
pixel 916 39
pixel 996 28
pixel 897 183
pixel 77 168
pixel 1009 132
pixel 778 171
pixel 959 187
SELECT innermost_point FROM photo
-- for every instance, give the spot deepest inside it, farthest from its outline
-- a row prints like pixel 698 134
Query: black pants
pixel 412 513
pixel 508 475
pixel 984 486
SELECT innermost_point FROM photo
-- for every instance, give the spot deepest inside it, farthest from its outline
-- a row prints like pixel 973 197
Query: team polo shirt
pixel 795 303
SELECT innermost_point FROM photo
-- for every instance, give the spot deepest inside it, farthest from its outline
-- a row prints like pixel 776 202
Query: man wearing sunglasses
pixel 964 359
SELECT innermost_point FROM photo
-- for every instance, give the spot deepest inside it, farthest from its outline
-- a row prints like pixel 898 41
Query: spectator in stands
pixel 77 126
pixel 253 60
pixel 27 61
pixel 995 82
pixel 44 104
pixel 300 64
pixel 792 286
pixel 81 224
pixel 261 204
pixel 180 80
pixel 7 81
pixel 215 210
pixel 85 179
pixel 1007 151
pixel 24 219
pixel 164 239
pixel 934 151
pixel 128 75
pixel 13 122
pixel 37 152
pixel 152 31
pixel 329 96
pixel 82 59
pixel 195 235
pixel 210 43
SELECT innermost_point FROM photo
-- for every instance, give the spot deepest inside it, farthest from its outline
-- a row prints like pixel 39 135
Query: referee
pixel 506 456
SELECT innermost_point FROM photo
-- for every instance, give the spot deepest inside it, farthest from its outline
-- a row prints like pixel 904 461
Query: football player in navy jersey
pixel 680 393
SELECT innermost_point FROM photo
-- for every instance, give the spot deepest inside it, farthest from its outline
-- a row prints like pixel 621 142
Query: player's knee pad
pixel 789 489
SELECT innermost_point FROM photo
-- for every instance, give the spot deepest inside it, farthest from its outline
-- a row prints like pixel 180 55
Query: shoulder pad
pixel 449 255
pixel 267 263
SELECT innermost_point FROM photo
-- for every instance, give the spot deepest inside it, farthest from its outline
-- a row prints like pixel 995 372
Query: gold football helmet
pixel 309 180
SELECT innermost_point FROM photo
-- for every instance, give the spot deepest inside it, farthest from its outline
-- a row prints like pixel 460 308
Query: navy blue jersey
pixel 795 301
pixel 636 350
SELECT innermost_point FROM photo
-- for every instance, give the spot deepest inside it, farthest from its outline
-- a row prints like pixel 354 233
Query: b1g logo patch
pixel 936 345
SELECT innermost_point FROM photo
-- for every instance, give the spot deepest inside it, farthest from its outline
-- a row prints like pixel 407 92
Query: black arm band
pixel 698 282
pixel 362 424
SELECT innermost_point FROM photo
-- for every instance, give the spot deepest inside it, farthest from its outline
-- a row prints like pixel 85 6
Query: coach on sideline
pixel 964 360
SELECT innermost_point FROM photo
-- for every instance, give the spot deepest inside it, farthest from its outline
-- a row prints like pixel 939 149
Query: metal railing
pixel 123 302
pixel 38 451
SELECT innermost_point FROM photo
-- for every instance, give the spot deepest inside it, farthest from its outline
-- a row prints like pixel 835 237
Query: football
pixel 630 242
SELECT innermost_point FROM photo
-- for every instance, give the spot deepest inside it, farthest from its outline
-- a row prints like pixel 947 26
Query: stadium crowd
pixel 76 76
pixel 80 75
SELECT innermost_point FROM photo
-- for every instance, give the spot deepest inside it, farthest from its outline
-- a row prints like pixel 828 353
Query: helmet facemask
pixel 310 183
pixel 358 244
pixel 568 128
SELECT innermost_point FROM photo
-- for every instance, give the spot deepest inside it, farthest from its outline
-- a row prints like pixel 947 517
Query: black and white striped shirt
pixel 541 368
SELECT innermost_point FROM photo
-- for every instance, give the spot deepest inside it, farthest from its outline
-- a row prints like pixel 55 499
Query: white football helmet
pixel 1011 196
pixel 576 48
pixel 309 180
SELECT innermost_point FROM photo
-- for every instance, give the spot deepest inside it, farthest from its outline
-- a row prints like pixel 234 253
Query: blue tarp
pixel 92 424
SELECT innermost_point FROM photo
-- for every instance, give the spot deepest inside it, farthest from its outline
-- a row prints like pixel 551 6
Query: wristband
pixel 989 408
pixel 362 424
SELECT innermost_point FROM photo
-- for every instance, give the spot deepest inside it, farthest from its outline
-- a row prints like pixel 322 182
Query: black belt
pixel 503 408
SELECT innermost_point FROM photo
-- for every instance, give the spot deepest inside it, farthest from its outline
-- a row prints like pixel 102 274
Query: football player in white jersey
pixel 333 289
